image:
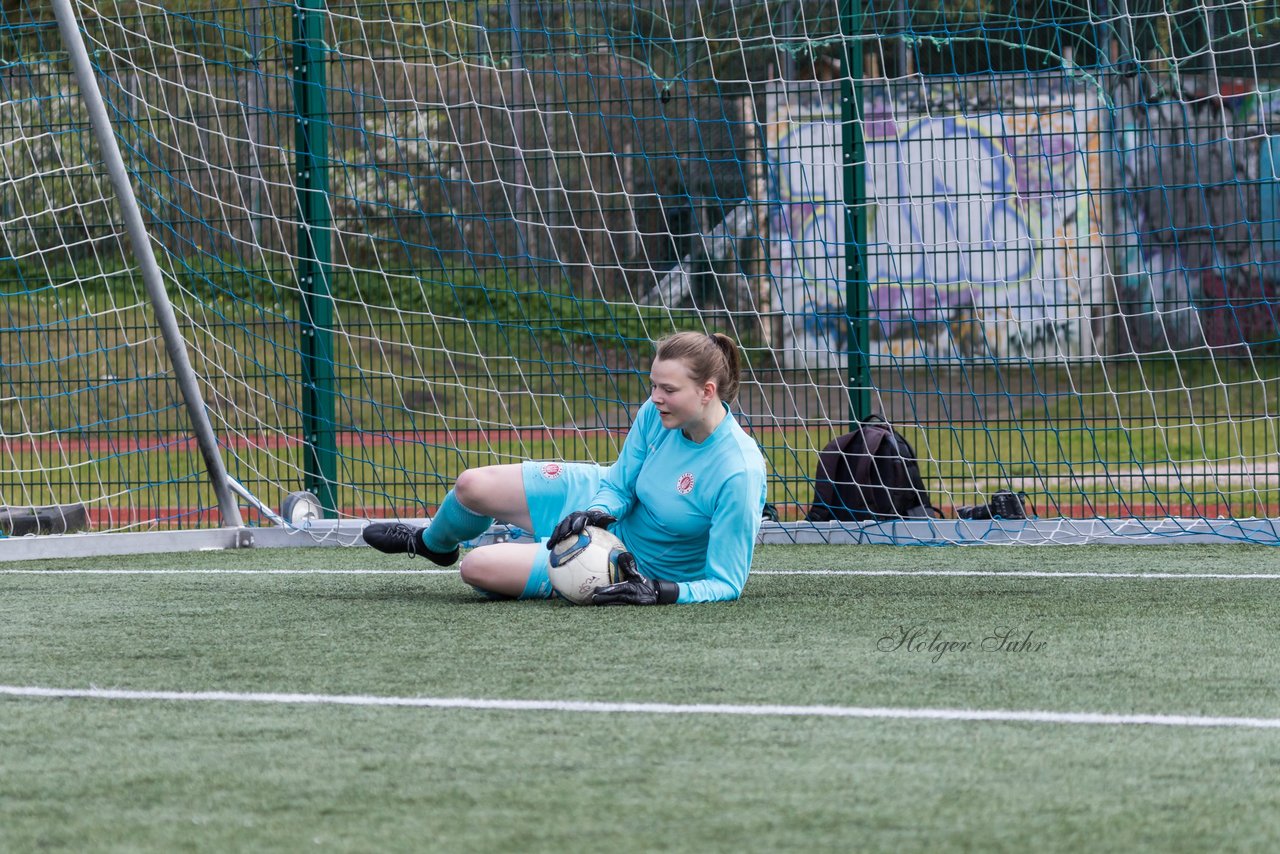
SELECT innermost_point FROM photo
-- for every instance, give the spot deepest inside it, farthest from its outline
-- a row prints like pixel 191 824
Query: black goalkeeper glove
pixel 635 589
pixel 572 525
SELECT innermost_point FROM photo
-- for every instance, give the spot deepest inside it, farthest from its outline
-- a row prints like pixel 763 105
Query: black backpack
pixel 870 473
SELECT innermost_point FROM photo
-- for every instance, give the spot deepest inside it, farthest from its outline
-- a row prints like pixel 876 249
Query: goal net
pixel 402 239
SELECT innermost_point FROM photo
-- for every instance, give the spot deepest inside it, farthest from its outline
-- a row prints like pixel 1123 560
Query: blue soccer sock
pixel 453 524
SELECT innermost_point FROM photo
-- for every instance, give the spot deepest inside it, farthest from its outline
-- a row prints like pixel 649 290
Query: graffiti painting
pixel 983 238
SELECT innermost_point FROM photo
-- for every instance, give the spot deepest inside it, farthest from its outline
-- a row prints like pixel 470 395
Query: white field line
pixel 940 573
pixel 6 571
pixel 1027 573
pixel 590 707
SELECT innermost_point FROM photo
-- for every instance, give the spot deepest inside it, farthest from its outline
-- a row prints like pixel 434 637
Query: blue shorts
pixel 554 490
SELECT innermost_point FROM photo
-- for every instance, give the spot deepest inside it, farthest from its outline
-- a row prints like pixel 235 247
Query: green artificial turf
pixel 163 775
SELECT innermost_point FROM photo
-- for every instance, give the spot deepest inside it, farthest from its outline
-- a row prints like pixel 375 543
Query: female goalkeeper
pixel 686 496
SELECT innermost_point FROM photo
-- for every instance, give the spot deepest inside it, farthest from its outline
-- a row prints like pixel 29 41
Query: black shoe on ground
pixel 1003 505
pixel 397 538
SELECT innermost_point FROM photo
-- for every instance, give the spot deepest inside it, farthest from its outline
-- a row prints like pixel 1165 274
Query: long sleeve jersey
pixel 688 511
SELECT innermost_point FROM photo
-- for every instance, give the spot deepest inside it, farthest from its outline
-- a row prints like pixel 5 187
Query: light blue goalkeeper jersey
pixel 688 511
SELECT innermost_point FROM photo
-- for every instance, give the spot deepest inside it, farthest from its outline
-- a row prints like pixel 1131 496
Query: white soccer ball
pixel 581 564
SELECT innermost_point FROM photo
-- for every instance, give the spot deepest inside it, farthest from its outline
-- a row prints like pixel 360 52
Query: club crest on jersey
pixel 684 483
pixel 551 471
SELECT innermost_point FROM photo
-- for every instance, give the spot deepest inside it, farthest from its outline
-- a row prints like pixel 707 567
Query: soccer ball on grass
pixel 581 564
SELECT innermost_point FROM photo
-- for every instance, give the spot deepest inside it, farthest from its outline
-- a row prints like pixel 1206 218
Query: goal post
pixel 402 239
pixel 145 260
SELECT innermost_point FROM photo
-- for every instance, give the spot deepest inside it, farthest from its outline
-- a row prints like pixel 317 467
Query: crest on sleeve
pixel 684 483
pixel 551 471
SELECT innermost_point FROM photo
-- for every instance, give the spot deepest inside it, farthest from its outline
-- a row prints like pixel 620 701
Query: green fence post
pixel 857 302
pixel 320 459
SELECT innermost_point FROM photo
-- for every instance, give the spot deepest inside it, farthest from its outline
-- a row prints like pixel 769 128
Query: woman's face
pixel 681 402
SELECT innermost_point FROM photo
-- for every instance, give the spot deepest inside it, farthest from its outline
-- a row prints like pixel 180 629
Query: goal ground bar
pixel 936 532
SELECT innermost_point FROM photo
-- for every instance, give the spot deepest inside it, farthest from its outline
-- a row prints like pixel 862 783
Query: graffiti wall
pixel 994 230
pixel 806 229
pixel 1194 226
pixel 983 238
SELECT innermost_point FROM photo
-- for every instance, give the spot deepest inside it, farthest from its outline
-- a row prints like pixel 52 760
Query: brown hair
pixel 708 357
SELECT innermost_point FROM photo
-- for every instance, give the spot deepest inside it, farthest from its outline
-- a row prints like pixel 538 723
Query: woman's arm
pixel 617 492
pixel 735 523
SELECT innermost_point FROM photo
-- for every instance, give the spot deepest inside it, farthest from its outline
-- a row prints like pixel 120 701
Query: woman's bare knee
pixel 491 569
pixel 469 489
pixel 473 568
pixel 496 491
